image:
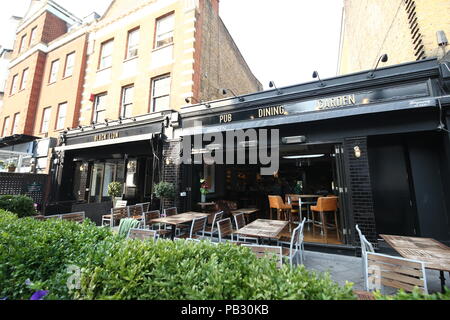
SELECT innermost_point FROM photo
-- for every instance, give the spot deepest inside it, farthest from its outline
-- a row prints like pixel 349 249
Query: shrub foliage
pixel 23 206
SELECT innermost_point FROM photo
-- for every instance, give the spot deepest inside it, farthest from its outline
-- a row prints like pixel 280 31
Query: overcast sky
pixel 281 40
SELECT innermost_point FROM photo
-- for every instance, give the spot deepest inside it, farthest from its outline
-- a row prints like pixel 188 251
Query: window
pixel 45 120
pixel 54 71
pixel 22 43
pixel 23 84
pixel 14 84
pixel 61 120
pixel 161 93
pixel 164 30
pixel 5 127
pixel 106 55
pixel 33 35
pixel 127 102
pixel 70 60
pixel 16 123
pixel 133 44
pixel 100 107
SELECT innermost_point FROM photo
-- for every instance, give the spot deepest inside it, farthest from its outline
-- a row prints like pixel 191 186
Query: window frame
pixel 5 121
pixel 32 35
pixel 66 64
pixel 22 84
pixel 16 119
pixel 14 84
pixel 96 111
pixel 22 43
pixel 124 106
pixel 58 116
pixel 127 48
pixel 102 49
pixel 49 109
pixel 166 16
pixel 152 90
pixel 51 71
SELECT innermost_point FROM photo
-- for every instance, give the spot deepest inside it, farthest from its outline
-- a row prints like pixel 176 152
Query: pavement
pixel 344 268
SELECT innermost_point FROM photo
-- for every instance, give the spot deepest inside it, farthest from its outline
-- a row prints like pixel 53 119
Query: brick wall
pixel 171 170
pixel 54 27
pixel 360 190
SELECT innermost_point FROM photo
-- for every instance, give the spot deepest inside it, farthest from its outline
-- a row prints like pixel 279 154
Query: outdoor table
pixel 434 254
pixel 261 228
pixel 179 219
pixel 248 212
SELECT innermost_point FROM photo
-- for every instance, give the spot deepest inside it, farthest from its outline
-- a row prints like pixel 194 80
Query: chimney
pixel 215 5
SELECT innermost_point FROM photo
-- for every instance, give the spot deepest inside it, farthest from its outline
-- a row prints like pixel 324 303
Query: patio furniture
pixel 366 246
pixel 263 229
pixel 145 206
pixel 211 230
pixel 135 212
pixel 434 254
pixel 146 223
pixel 197 226
pixel 239 223
pixel 283 210
pixel 251 214
pixel 116 215
pixel 121 204
pixel 296 246
pixel 141 234
pixel 264 252
pixel 399 273
pixel 77 217
pixel 225 229
pixel 170 212
pixel 178 219
pixel 325 205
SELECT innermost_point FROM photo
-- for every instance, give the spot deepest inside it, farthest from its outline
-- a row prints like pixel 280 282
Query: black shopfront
pixel 90 158
pixel 380 143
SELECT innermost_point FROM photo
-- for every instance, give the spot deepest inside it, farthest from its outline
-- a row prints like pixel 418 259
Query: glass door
pixel 97 183
pixel 340 188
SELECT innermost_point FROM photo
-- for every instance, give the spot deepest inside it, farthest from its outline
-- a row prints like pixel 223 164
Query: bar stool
pixel 325 205
pixel 283 210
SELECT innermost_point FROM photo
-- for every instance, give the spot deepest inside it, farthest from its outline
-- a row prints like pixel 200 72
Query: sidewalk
pixel 342 268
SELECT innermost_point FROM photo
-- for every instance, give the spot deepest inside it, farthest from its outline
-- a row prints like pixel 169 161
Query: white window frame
pixel 46 117
pixel 6 126
pixel 97 111
pixel 156 96
pixel 23 83
pixel 54 69
pixel 124 105
pixel 16 121
pixel 61 117
pixel 164 37
pixel 133 48
pixel 69 67
pixel 106 60
pixel 14 84
pixel 32 36
pixel 22 43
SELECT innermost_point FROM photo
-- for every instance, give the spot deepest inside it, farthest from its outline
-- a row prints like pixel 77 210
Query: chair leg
pixel 336 226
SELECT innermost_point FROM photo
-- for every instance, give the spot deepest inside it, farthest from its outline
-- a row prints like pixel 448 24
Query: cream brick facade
pixel 403 29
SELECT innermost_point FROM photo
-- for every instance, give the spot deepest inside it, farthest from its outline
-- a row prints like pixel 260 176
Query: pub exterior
pixel 377 140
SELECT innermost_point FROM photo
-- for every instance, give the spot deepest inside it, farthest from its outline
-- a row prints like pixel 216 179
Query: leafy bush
pixel 23 206
pixel 115 189
pixel 164 190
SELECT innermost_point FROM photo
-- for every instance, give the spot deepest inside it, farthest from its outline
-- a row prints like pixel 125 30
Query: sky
pixel 282 40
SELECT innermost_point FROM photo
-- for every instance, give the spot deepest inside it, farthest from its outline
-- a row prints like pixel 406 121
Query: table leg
pixel 173 231
pixel 442 277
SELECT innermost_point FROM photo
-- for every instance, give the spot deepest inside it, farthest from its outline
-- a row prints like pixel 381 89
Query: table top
pixel 245 211
pixel 203 204
pixel 180 218
pixel 434 254
pixel 262 228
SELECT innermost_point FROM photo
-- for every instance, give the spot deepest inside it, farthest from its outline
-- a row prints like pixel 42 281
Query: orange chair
pixel 283 210
pixel 325 205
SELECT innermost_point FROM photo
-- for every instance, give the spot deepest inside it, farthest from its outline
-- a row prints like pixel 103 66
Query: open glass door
pixel 340 188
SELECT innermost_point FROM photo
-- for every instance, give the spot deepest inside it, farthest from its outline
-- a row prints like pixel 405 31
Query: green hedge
pixel 23 206
pixel 113 268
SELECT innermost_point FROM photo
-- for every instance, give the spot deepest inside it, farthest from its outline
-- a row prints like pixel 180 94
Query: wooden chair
pixel 366 246
pixel 211 230
pixel 239 222
pixel 145 206
pixel 170 212
pixel 296 246
pixel 135 212
pixel 141 234
pixel 283 210
pixel 146 223
pixel 56 216
pixel 77 217
pixel 198 226
pixel 325 205
pixel 394 272
pixel 114 218
pixel 225 229
pixel 264 252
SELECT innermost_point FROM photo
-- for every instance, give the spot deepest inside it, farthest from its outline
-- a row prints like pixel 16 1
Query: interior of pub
pixel 306 174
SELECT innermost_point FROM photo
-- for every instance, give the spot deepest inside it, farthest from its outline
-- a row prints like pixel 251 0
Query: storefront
pixel 379 142
pixel 126 151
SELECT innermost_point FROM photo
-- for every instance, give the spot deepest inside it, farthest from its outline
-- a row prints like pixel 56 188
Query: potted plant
pixel 115 191
pixel 11 166
pixel 164 190
pixel 204 189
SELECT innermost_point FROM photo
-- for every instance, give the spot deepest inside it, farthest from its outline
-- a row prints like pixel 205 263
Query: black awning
pixel 16 139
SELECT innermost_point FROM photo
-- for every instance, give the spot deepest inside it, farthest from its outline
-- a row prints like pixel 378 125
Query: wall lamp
pixel 384 58
pixel 226 91
pixel 189 100
pixel 357 150
pixel 293 140
pixel 315 75
pixel 272 85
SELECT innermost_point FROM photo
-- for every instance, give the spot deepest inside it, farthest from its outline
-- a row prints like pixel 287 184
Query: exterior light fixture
pixel 272 85
pixel 384 58
pixel 357 152
pixel 307 156
pixel 225 92
pixel 293 140
pixel 315 75
pixel 189 100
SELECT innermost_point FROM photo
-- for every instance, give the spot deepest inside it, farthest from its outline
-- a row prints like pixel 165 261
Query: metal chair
pixel 116 215
pixel 146 223
pixel 198 226
pixel 211 230
pixel 263 252
pixel 239 222
pixel 141 234
pixel 135 212
pixel 296 246
pixel 170 212
pixel 145 206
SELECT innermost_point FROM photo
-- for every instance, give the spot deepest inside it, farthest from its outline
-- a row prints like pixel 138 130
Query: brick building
pixel 403 29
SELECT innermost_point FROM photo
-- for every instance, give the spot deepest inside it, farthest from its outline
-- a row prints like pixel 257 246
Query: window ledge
pixel 67 77
pixel 131 59
pixel 103 69
pixel 163 47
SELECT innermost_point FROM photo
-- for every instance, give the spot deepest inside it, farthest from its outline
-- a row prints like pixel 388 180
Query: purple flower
pixel 39 295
